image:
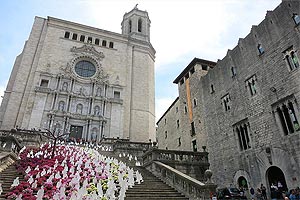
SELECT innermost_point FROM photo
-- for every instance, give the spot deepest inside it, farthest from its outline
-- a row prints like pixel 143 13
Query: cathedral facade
pixel 85 81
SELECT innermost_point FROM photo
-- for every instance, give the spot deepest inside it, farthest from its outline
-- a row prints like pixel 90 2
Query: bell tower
pixel 136 24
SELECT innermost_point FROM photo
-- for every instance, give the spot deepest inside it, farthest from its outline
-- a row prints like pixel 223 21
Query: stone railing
pixel 26 137
pixel 6 159
pixel 133 148
pixel 190 187
pixel 191 163
pixel 9 143
pixel 123 144
pixel 172 156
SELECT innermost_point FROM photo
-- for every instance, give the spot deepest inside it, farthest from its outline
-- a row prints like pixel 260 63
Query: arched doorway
pixel 242 182
pixel 275 176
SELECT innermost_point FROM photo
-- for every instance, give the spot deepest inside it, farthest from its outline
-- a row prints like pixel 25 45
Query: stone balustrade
pixel 26 137
pixel 191 163
pixel 6 159
pixel 133 148
pixel 9 143
pixel 171 156
pixel 190 187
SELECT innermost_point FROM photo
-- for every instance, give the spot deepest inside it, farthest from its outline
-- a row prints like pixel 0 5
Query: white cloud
pixel 184 29
pixel 180 30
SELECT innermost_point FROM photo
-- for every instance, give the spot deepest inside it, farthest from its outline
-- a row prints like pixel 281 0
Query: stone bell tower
pixel 136 24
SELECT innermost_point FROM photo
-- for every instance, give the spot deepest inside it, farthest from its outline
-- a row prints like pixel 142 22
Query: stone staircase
pixel 7 177
pixel 152 188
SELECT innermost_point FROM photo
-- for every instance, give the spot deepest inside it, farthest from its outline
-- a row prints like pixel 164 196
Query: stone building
pixel 178 126
pixel 87 81
pixel 248 105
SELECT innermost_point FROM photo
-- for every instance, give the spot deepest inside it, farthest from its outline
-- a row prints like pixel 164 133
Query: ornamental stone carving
pixel 87 50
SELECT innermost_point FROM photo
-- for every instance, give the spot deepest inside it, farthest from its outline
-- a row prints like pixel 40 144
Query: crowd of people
pixel 278 192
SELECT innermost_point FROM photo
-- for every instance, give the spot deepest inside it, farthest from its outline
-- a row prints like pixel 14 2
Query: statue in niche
pixel 94 134
pixel 61 105
pixel 81 91
pixel 79 108
pixel 97 110
pixel 98 92
pixel 65 87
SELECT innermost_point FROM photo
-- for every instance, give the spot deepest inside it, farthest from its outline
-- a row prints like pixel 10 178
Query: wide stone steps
pixel 152 188
pixel 7 177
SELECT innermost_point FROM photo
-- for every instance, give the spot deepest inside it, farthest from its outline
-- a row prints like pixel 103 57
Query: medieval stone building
pixel 83 80
pixel 244 109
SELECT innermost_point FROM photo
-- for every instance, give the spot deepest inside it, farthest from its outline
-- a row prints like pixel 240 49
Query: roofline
pixel 192 64
pixel 54 19
pixel 167 110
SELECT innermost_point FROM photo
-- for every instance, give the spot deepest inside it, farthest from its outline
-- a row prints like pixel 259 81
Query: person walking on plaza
pixel 252 193
pixel 263 191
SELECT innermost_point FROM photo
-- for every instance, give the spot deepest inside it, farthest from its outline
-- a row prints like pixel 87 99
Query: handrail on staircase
pixel 6 159
pixel 190 187
pixel 9 143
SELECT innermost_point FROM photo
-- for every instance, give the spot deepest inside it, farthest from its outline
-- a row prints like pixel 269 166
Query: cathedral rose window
pixel 85 68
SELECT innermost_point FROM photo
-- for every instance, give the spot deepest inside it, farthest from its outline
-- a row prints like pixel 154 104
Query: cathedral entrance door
pixel 276 177
pixel 76 132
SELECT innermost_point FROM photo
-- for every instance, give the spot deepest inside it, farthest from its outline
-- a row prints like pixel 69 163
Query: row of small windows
pixel 83 38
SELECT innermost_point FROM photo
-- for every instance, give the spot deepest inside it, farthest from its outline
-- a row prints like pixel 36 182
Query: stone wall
pixel 255 95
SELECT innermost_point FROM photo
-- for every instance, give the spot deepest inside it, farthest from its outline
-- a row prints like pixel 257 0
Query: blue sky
pixel 180 30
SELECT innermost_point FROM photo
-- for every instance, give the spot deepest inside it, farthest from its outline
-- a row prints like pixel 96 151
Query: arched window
pixel 79 108
pixel 97 110
pixel 61 106
pixel 242 182
pixel 104 43
pixel 67 34
pixel 130 26
pixel 97 41
pixel 82 38
pixel 111 45
pixel 140 25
